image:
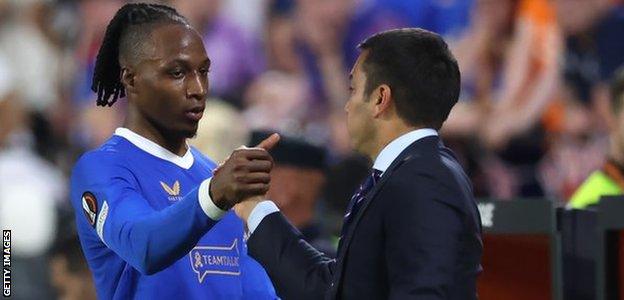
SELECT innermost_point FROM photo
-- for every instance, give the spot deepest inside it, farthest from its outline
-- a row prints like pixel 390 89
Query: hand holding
pixel 246 173
pixel 243 209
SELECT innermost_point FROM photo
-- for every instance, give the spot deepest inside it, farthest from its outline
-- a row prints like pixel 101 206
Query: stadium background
pixel 535 98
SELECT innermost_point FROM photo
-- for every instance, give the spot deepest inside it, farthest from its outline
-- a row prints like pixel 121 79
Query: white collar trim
pixel 389 153
pixel 154 149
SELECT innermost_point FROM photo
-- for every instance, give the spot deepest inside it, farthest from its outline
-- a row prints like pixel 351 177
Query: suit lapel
pixel 415 148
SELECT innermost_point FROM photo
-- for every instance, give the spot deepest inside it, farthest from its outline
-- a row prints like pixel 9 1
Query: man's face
pixel 359 108
pixel 171 84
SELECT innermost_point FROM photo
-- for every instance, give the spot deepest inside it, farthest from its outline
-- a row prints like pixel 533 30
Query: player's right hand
pixel 246 173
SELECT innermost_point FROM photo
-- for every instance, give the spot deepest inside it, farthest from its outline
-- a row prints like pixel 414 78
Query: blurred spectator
pixel 609 180
pixel 560 177
pixel 297 181
pixel 236 56
pixel 594 47
pixel 512 65
pixel 36 39
pixel 529 79
pixel 7 97
pixel 593 51
pixel 250 15
pixel 29 44
pixel 69 271
pixel 31 189
pixel 446 17
pixel 221 130
pixel 321 27
pixel 481 55
pixel 280 38
pixel 277 101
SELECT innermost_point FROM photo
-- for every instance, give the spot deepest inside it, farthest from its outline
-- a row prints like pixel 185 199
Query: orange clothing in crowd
pixel 541 16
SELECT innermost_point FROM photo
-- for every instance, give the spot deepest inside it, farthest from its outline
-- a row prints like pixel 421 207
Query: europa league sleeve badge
pixel 89 207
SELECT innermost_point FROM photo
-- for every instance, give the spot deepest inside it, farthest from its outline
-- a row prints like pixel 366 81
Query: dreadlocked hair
pixel 129 19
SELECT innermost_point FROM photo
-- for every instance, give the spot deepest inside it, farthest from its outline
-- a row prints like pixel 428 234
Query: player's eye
pixel 176 73
pixel 204 71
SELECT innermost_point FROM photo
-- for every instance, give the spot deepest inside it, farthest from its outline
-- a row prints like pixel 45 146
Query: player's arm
pixel 148 239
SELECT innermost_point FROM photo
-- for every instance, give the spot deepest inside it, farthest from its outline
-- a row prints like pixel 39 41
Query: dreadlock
pixel 123 37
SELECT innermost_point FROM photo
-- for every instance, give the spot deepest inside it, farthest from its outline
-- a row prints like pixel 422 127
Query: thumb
pixel 269 142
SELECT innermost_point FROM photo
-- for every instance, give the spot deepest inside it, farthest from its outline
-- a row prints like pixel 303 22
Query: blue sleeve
pixel 105 194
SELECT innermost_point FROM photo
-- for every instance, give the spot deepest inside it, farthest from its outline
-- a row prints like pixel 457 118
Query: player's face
pixel 172 84
pixel 359 109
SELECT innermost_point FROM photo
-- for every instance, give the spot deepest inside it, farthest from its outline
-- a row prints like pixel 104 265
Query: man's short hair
pixel 420 70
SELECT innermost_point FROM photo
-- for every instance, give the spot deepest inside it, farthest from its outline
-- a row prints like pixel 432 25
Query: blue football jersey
pixel 144 233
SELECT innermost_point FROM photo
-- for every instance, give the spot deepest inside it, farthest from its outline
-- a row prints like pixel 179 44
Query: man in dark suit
pixel 412 230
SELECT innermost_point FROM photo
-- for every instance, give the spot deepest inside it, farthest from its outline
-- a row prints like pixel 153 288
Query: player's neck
pixel 170 141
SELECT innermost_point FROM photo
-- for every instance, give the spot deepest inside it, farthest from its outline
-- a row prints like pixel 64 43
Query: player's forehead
pixel 174 42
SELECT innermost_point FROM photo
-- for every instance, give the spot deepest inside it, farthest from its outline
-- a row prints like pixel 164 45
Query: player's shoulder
pixel 110 153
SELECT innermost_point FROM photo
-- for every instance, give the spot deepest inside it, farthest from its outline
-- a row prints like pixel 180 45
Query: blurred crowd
pixel 533 119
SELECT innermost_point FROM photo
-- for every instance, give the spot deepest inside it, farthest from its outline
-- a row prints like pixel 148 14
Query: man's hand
pixel 246 173
pixel 244 208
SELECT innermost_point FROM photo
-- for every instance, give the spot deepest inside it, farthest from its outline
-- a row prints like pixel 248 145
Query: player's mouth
pixel 195 114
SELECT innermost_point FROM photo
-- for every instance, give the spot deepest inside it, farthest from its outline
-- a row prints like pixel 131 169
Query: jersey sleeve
pixel 106 198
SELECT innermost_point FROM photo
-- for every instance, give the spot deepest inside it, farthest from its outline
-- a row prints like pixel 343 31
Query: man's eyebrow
pixel 178 61
pixel 186 62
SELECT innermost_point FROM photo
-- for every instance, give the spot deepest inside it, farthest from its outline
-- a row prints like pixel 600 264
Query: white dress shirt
pixel 385 158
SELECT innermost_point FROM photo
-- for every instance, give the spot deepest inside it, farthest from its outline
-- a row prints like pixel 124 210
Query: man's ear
pixel 127 79
pixel 382 100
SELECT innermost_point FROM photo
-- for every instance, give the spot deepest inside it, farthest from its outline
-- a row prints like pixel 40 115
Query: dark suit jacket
pixel 417 235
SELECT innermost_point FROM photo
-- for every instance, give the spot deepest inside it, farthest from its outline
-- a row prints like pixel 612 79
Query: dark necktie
pixel 358 198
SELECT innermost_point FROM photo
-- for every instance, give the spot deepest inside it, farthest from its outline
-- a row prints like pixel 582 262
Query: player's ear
pixel 127 79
